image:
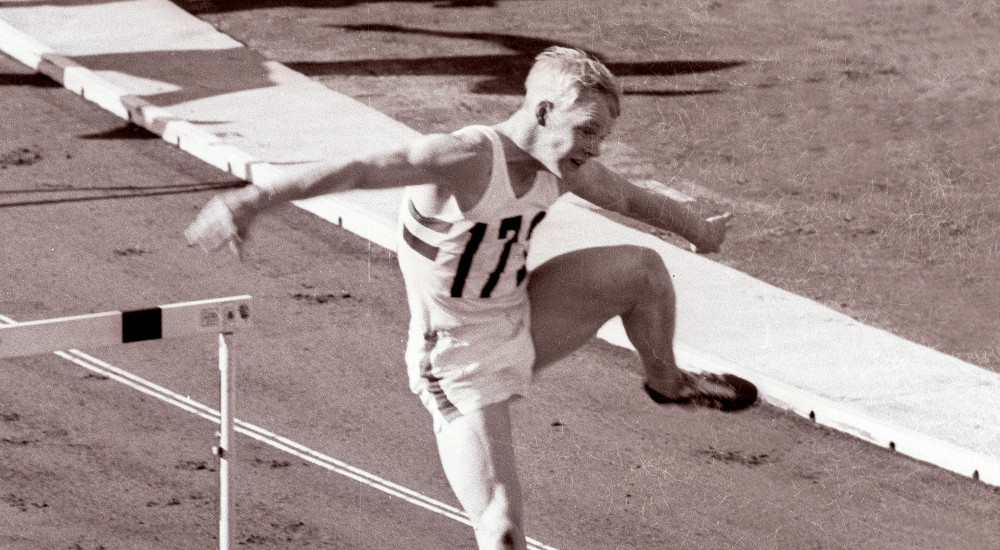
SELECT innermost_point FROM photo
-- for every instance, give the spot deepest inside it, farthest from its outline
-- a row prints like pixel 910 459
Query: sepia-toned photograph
pixel 500 274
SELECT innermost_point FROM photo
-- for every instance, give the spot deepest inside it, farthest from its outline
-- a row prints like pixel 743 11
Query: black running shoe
pixel 725 392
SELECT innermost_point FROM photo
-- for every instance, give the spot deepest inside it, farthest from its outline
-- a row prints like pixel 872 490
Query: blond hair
pixel 561 74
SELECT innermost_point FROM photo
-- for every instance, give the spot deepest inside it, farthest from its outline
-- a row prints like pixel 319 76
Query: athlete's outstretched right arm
pixel 607 189
pixel 227 217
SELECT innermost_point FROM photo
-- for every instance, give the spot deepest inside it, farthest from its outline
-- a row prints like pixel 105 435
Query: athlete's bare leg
pixel 478 458
pixel 574 294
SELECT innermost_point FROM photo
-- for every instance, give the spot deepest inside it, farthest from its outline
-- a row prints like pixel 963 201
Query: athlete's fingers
pixel 724 218
pixel 208 236
pixel 213 228
pixel 715 229
pixel 236 247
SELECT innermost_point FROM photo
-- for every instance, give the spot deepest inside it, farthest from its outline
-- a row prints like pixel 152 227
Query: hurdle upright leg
pixel 224 449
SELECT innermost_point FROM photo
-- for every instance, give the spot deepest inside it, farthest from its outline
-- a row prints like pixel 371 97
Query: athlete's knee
pixel 649 274
pixel 499 528
pixel 500 536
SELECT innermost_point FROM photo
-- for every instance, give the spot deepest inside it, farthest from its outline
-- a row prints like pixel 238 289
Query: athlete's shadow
pixel 203 7
pixel 504 73
pixel 33 80
pixel 172 77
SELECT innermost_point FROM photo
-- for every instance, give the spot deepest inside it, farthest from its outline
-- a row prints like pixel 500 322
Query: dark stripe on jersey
pixel 433 224
pixel 419 246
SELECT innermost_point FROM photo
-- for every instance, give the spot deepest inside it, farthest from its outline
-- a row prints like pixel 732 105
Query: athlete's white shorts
pixel 466 367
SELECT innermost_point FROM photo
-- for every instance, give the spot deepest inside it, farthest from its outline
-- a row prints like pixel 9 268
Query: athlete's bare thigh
pixel 572 295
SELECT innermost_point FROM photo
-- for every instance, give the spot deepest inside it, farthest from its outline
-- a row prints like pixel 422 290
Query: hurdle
pixel 223 316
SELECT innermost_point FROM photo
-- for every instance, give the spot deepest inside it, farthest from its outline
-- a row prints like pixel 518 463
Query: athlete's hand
pixel 711 233
pixel 217 225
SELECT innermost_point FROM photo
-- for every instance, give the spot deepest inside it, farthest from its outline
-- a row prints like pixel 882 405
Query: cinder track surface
pixel 88 463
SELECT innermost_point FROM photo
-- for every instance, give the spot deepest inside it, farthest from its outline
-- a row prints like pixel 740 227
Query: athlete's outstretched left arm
pixel 428 159
pixel 605 188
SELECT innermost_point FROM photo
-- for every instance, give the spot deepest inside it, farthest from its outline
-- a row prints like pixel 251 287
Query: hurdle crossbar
pixel 221 315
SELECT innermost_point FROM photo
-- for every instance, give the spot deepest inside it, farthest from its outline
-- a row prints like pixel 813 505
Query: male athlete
pixel 482 325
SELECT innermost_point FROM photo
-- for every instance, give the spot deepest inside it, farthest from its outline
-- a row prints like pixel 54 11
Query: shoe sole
pixel 744 390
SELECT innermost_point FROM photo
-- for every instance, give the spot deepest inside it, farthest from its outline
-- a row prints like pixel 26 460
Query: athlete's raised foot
pixel 726 392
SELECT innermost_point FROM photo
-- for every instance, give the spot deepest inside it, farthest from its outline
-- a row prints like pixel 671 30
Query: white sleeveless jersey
pixel 468 267
pixel 466 282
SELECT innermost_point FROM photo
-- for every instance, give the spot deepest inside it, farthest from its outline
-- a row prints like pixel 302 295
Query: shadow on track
pixel 202 7
pixel 33 80
pixel 128 131
pixel 505 72
pixel 98 193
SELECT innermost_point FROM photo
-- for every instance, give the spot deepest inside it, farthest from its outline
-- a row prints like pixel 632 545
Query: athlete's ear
pixel 542 111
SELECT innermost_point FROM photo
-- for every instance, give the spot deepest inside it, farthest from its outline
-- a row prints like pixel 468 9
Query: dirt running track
pixel 87 463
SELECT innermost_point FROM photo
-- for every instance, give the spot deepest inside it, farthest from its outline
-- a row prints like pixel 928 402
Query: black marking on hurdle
pixel 142 324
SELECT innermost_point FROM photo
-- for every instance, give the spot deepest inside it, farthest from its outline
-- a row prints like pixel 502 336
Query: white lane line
pixel 98 366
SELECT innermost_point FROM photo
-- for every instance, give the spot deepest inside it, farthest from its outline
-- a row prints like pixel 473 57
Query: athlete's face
pixel 573 133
